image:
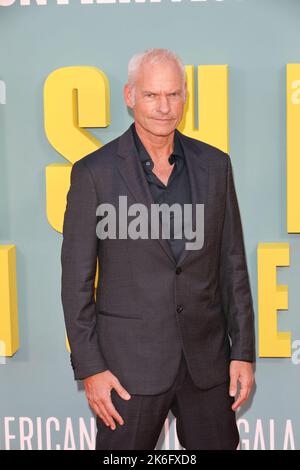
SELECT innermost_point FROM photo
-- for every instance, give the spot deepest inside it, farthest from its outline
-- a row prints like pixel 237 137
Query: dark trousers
pixel 204 418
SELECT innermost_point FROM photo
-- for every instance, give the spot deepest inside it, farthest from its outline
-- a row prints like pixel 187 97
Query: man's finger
pixel 98 411
pixel 120 390
pixel 106 414
pixel 233 385
pixel 113 412
pixel 243 395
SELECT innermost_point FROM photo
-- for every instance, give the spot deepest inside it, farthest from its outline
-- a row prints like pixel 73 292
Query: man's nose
pixel 163 104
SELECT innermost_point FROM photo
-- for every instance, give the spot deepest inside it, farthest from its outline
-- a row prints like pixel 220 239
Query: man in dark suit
pixel 171 328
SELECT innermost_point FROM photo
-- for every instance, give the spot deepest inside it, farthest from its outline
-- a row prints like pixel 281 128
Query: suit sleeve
pixel 234 279
pixel 79 262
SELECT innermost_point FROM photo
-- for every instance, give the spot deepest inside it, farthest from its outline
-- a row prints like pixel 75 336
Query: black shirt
pixel 177 189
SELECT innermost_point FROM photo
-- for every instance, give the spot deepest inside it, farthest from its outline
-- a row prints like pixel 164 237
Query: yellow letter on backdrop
pixel 272 297
pixel 74 98
pixel 9 327
pixel 293 147
pixel 212 105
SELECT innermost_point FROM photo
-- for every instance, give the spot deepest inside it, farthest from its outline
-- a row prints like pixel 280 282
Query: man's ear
pixel 128 96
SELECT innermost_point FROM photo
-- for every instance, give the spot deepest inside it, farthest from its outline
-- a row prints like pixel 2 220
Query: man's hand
pixel 242 372
pixel 97 389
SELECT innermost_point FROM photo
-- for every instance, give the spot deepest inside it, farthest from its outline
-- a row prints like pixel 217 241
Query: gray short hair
pixel 152 56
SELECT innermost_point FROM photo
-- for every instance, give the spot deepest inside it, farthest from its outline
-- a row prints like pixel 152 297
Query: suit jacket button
pixel 178 270
pixel 179 308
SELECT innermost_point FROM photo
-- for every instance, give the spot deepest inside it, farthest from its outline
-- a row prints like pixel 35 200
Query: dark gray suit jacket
pixel 146 310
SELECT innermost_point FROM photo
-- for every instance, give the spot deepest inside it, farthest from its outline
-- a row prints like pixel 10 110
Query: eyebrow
pixel 154 93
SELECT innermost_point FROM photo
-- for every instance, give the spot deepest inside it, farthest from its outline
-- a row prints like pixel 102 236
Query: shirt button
pixel 178 270
pixel 179 308
pixel 148 163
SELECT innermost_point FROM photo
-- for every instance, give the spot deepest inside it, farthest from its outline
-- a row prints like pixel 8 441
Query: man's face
pixel 159 98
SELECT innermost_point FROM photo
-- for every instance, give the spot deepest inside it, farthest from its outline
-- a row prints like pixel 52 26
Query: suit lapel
pixel 198 173
pixel 133 175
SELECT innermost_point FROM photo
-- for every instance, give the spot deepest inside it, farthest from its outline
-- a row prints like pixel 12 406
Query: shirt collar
pixel 143 153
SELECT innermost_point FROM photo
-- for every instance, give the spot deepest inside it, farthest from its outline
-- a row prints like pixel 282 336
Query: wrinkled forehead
pixel 165 76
